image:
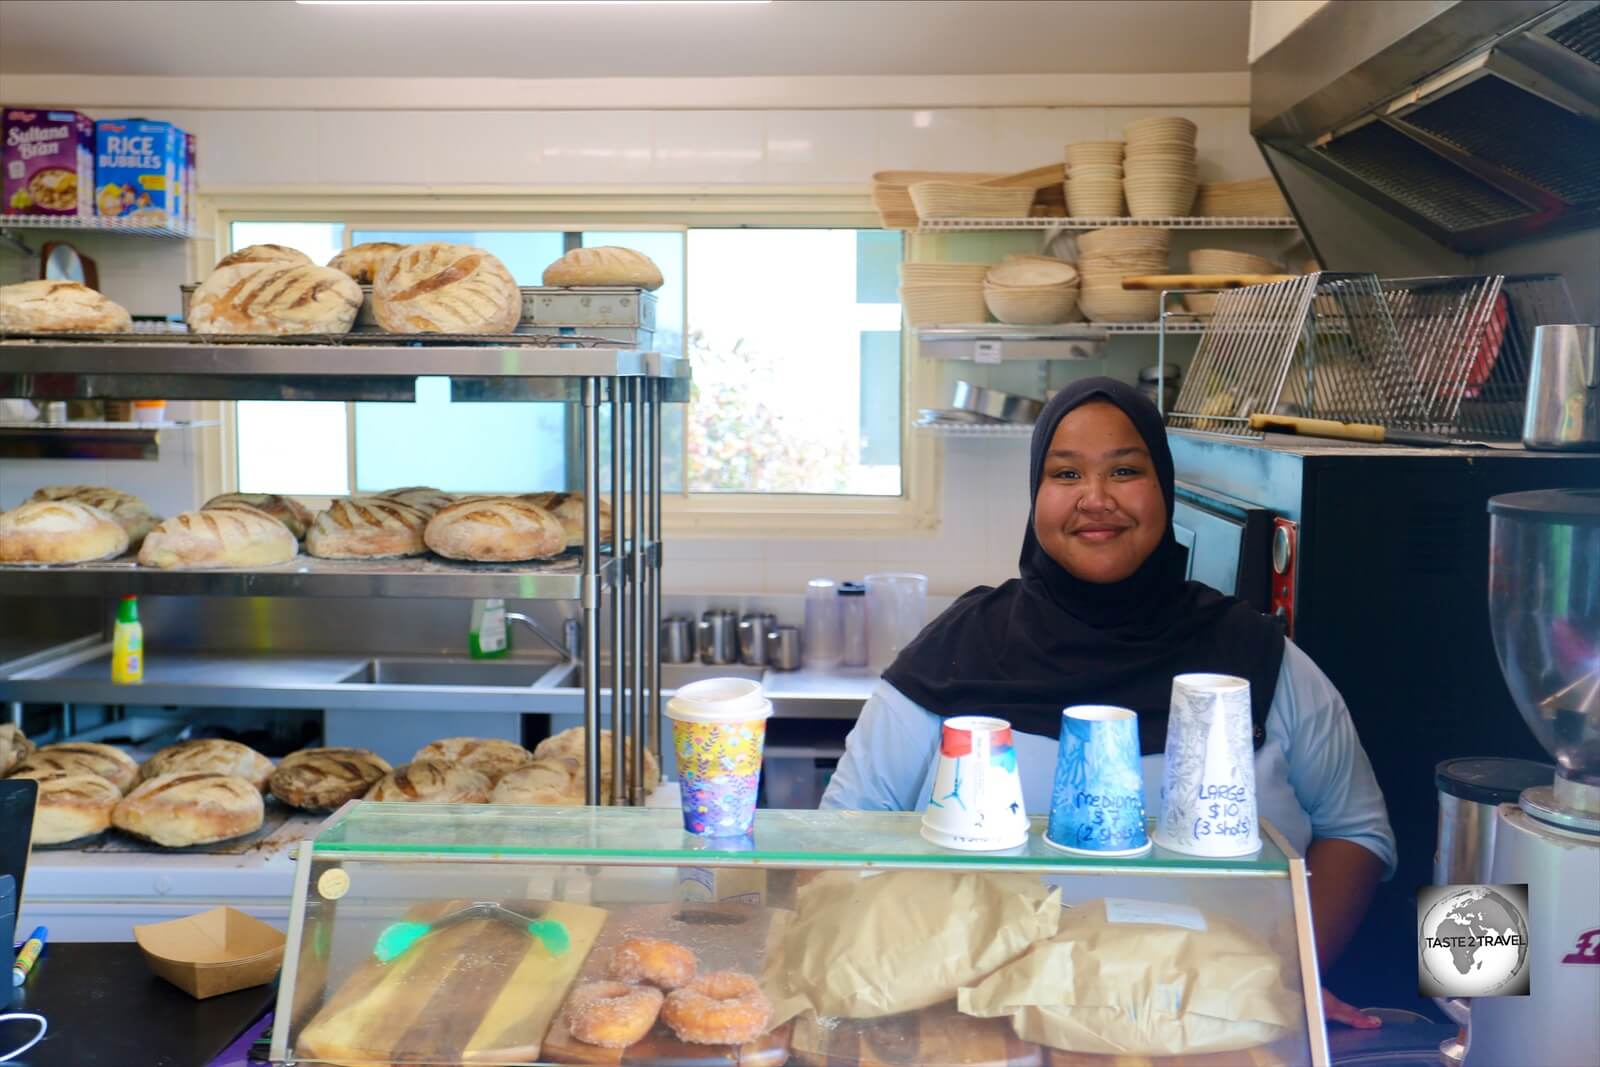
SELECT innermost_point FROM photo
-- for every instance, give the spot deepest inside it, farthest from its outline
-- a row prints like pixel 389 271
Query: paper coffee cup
pixel 1208 783
pixel 718 729
pixel 1097 799
pixel 976 804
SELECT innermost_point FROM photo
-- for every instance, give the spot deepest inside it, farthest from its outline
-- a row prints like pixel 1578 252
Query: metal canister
pixel 783 648
pixel 719 637
pixel 753 630
pixel 1469 791
pixel 677 639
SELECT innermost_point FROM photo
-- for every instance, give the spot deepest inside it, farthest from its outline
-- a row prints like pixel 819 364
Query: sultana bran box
pixel 47 162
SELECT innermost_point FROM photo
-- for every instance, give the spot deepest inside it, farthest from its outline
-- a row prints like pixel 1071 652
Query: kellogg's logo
pixel 1588 950
pixel 22 116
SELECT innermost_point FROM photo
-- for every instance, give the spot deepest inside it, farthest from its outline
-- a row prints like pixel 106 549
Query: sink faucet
pixel 566 646
pixel 491 626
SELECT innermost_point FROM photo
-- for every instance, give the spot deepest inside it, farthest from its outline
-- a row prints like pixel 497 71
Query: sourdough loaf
pixel 605 265
pixel 445 288
pixel 237 536
pixel 320 779
pixel 263 255
pixel 372 528
pixel 211 755
pixel 286 509
pixel 71 806
pixel 59 531
pixel 275 299
pixel 131 513
pixel 424 781
pixel 80 757
pixel 494 530
pixel 489 756
pixel 190 808
pixel 49 306
pixel 362 261
pixel 568 509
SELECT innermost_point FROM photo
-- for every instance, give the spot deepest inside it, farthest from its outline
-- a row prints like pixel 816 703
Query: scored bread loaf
pixel 489 756
pixel 423 497
pixel 50 306
pixel 546 781
pixel 286 509
pixel 71 806
pixel 260 255
pixel 568 508
pixel 210 755
pixel 190 808
pixel 14 747
pixel 59 531
pixel 131 513
pixel 276 299
pixel 320 779
pixel 80 757
pixel 495 530
pixel 362 261
pixel 373 528
pixel 567 746
pixel 445 288
pixel 605 265
pixel 428 782
pixel 236 536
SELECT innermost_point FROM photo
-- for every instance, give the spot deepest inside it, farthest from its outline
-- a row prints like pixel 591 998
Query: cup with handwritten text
pixel 1097 801
pixel 976 802
pixel 1208 785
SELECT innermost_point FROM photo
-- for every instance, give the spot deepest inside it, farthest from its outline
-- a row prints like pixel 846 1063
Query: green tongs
pixel 398 938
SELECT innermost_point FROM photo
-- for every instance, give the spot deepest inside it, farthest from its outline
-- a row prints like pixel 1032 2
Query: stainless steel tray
pixel 545 307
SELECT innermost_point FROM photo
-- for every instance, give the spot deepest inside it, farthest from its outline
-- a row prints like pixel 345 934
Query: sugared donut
pixel 612 1014
pixel 664 964
pixel 720 1008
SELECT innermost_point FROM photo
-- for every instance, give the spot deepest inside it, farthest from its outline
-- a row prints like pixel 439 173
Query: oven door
pixel 1229 542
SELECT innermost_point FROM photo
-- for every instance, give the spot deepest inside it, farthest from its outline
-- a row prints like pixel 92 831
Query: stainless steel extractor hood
pixel 1476 122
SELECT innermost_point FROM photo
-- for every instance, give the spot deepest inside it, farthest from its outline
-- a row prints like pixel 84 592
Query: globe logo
pixel 1474 942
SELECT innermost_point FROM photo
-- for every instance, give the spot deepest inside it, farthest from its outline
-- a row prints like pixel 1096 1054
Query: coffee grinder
pixel 1544 610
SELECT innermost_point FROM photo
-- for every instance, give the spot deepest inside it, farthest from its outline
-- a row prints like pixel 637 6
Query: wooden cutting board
pixel 478 991
pixel 726 937
pixel 939 1035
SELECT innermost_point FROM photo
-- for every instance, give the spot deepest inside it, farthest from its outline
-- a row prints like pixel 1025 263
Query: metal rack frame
pixel 1082 222
pixel 633 384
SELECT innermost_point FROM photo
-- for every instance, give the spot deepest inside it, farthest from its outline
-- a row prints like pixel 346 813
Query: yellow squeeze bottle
pixel 127 644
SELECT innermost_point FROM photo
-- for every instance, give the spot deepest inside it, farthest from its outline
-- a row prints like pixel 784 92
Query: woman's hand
pixel 1337 1011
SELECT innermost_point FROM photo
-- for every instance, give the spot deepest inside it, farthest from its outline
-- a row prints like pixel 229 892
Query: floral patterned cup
pixel 1097 801
pixel 718 729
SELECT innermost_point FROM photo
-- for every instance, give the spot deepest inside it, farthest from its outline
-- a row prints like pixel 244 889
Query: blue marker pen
pixel 29 953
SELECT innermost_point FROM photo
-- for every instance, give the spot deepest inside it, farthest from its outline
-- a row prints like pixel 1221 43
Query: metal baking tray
pixel 1006 407
pixel 546 307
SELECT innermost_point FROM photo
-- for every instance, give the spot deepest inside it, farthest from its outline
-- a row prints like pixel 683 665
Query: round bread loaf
pixel 568 509
pixel 275 299
pixel 178 810
pixel 231 536
pixel 428 782
pixel 286 509
pixel 262 254
pixel 369 528
pixel 50 306
pixel 547 781
pixel 72 806
pixel 495 530
pixel 59 531
pixel 80 757
pixel 211 755
pixel 362 261
pixel 489 756
pixel 445 288
pixel 422 497
pixel 131 513
pixel 321 779
pixel 568 747
pixel 604 265
pixel 14 747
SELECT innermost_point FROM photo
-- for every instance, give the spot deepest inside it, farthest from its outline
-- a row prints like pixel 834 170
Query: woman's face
pixel 1099 511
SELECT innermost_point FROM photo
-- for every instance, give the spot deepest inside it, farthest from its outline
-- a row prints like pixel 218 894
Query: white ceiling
pixel 279 38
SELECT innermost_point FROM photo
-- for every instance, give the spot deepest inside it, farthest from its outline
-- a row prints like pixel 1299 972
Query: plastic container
pixel 821 636
pixel 896 609
pixel 127 644
pixel 852 624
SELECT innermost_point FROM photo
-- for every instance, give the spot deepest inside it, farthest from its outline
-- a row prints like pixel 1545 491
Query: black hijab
pixel 1049 640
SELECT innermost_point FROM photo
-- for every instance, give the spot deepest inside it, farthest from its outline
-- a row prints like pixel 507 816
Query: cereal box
pixel 137 167
pixel 47 162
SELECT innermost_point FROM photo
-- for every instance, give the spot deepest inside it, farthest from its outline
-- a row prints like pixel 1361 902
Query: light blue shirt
pixel 1313 779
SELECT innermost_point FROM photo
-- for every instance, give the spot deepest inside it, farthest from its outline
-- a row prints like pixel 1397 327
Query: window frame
pixel 668 209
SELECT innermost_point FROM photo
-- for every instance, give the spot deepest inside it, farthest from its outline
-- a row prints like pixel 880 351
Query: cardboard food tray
pixel 215 952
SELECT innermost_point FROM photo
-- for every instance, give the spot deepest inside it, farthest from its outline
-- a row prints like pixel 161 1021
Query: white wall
pixel 1273 20
pixel 984 498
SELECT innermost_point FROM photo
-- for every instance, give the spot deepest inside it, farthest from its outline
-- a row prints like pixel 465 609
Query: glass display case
pixel 502 935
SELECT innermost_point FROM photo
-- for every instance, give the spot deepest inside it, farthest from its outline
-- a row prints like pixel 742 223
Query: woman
pixel 1102 614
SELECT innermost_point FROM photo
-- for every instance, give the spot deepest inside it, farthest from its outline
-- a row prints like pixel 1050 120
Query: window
pixel 794 334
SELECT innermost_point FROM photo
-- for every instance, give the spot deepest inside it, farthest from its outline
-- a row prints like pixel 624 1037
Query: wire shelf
pixel 1082 222
pixel 148 224
pixel 986 430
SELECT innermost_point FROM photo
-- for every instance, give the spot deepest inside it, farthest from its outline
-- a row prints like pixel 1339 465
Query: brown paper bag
pixel 1133 977
pixel 864 947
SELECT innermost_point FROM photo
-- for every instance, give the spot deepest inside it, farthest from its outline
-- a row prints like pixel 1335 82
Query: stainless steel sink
pixel 673 675
pixel 444 672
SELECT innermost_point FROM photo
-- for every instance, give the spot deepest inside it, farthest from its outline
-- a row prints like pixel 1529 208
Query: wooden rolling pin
pixel 1202 281
pixel 1353 431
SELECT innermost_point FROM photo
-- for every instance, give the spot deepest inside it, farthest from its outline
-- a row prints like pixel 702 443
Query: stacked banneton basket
pixel 951 200
pixel 1253 197
pixel 1094 179
pixel 1223 261
pixel 934 293
pixel 1107 256
pixel 1160 172
pixel 1032 290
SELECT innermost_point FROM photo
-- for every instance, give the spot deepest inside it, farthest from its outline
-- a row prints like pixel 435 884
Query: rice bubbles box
pixel 138 167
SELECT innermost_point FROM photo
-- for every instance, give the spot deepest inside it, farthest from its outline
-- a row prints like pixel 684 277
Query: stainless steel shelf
pixel 989 430
pixel 996 342
pixel 87 440
pixel 147 224
pixel 424 576
pixel 1081 222
pixel 352 367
